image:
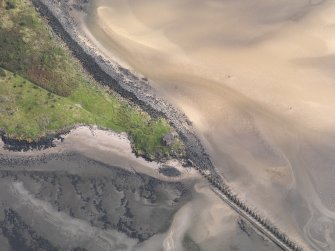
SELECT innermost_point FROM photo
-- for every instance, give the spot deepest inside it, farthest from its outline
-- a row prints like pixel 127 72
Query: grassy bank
pixel 44 90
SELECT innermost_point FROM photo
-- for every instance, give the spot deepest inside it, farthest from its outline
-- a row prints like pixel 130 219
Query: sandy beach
pixel 256 81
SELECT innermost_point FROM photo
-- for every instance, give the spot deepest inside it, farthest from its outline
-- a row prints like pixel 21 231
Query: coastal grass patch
pixel 29 112
pixel 43 89
pixel 28 48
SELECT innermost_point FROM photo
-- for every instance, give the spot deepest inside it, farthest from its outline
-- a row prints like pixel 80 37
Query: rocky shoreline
pixel 135 89
pixel 45 142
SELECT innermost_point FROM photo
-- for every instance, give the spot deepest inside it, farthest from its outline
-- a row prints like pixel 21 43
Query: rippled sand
pixel 257 80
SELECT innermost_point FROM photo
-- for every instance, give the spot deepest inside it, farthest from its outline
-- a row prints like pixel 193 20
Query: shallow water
pixel 255 78
pixel 66 201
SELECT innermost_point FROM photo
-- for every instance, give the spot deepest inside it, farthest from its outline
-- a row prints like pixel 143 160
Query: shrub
pixel 2 72
pixel 10 5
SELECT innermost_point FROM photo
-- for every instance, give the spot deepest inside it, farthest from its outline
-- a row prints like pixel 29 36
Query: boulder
pixel 169 138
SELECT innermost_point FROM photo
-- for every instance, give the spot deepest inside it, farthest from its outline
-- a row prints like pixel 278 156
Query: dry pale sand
pixel 256 78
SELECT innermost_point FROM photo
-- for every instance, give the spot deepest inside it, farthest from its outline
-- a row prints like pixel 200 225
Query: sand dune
pixel 256 78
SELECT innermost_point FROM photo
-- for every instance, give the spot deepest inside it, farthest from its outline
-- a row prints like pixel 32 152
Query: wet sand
pixel 256 80
pixel 92 192
pixel 106 147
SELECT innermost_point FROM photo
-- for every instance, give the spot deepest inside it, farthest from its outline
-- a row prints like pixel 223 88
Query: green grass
pixel 27 48
pixel 43 89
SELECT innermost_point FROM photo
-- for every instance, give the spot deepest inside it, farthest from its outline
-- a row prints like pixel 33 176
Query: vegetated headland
pixel 36 61
pixel 44 93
